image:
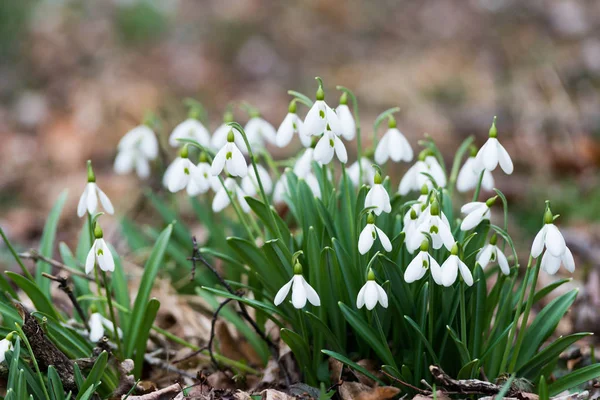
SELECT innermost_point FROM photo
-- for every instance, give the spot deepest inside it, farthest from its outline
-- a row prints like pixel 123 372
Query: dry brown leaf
pixel 439 395
pixel 272 394
pixel 360 391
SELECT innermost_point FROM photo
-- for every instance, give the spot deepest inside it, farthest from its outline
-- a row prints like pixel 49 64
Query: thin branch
pixel 35 256
pixel 62 285
pixel 416 389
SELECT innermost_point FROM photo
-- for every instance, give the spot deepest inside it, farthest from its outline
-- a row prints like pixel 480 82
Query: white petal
pixel 340 150
pixel 407 152
pixel 82 206
pixel 298 292
pixel 149 145
pixel 333 121
pixel 312 295
pixel 490 154
pixel 124 162
pixel 105 201
pixel 414 270
pixel 92 198
pixel 366 239
pixel 385 241
pixel 408 181
pixel 382 297
pixel 96 327
pixel 105 259
pixel 488 180
pixel 285 131
pixel 315 123
pixel 436 171
pixel 555 243
pixel 323 150
pixel 178 178
pixel 505 161
pixel 465 272
pixel 502 262
pixel 90 259
pixel 550 264
pixel 473 219
pixel 142 167
pixel 472 206
pixel 371 295
pixel 450 271
pixel 467 178
pixel 485 255
pixel 219 162
pixel 347 121
pixel 436 271
pixel 190 129
pixel 219 138
pixel 568 261
pixel 538 243
pixel 382 150
pixel 360 299
pixel 446 235
pixel 220 201
pixel 282 293
pixel 237 164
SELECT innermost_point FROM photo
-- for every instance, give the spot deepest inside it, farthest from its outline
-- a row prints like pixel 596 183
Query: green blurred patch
pixel 13 24
pixel 139 23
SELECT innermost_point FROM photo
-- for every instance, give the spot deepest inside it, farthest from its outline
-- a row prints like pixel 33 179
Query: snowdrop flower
pixel 135 150
pixel 202 180
pixel 219 138
pixel 301 290
pixel 230 158
pixel 303 165
pixel 551 264
pixel 421 204
pixel 250 183
pixel 414 178
pixel 419 265
pixel 347 124
pixel 371 293
pixel 329 144
pixel 411 224
pixel 89 198
pixel 320 116
pixel 550 237
pixel 434 225
pixel 493 153
pixel 476 211
pixel 468 178
pixel 97 324
pixel 191 128
pixel 229 188
pixel 182 173
pixel 292 124
pixel 313 183
pixel 5 345
pixel 368 172
pixel 368 235
pixel 378 197
pixel 491 252
pixel 258 130
pixel 99 254
pixel 450 268
pixel 393 145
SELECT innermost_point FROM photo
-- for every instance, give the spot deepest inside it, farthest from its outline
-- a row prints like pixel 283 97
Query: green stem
pixel 358 134
pixel 431 308
pixel 463 314
pixel 112 313
pixel 303 326
pixel 478 187
pixel 16 256
pixel 35 363
pixel 525 320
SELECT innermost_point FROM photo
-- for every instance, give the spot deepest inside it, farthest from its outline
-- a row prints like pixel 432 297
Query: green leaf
pixel 34 292
pixel 302 353
pixel 94 376
pixel 47 244
pixel 319 325
pixel 180 231
pixel 422 337
pixel 263 212
pixel 543 389
pixel 574 379
pixel 143 333
pixel 540 294
pixel 462 348
pixel 155 261
pixel 120 289
pixel 468 370
pixel 57 392
pixel 353 365
pixel 270 310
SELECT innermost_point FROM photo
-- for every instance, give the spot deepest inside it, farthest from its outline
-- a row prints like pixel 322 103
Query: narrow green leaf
pixel 422 337
pixel 353 365
pixel 574 379
pixel 57 392
pixel 143 333
pixel 47 244
pixel 94 375
pixel 302 353
pixel 34 292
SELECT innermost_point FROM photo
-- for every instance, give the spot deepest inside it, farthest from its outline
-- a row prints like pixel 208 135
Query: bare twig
pixel 35 256
pixel 416 389
pixel 62 285
pixel 470 386
pixel 167 392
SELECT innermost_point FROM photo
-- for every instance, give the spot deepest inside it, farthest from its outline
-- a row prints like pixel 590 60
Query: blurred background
pixel 76 75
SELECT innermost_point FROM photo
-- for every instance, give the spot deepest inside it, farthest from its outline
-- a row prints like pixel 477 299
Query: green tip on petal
pixel 184 152
pixel 490 202
pixel 344 98
pixel 203 157
pixel 98 234
pixel 292 107
pixel 425 245
pixel 413 214
pixel 424 189
pixel 377 179
pixel 370 218
pixel 10 335
pixel 297 268
pixel 454 250
pixel 230 136
pixel 435 208
pixel 548 217
pixel 90 172
pixel 473 151
pixel 371 275
pixel 391 122
pixel 493 130
pixel 320 93
pixel 494 239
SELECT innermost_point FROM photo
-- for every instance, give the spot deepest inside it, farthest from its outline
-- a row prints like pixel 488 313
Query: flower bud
pixel 493 130
pixel 202 157
pixel 391 122
pixel 472 151
pixel 344 98
pixel 230 136
pixel 10 335
pixel 98 234
pixel 90 172
pixel 413 214
pixel 377 179
pixel 494 239
pixel 370 218
pixel 454 250
pixel 297 268
pixel 424 189
pixel 425 245
pixel 490 202
pixel 228 116
pixel 292 107
pixel 183 153
pixel 371 275
pixel 435 208
pixel 320 94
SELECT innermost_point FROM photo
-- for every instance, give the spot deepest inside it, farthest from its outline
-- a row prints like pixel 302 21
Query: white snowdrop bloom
pixel 303 165
pixel 436 226
pixel 98 323
pixel 183 174
pixel 419 265
pixel 89 198
pixel 476 211
pixel 301 291
pixel 191 128
pixel 549 237
pixel 378 197
pixel 219 138
pixel 393 145
pixel 371 293
pixel 419 206
pixel 415 178
pixel 492 153
pixel 347 124
pixel 368 235
pixel 292 124
pixel 221 199
pixel 320 116
pixel 99 254
pixel 5 345
pixel 551 264
pixel 468 178
pixel 258 130
pixel 281 188
pixel 410 225
pixel 135 150
pixel 329 144
pixel 368 172
pixel 202 180
pixel 451 267
pixel 250 183
pixel 230 158
pixel 490 253
pixel 313 183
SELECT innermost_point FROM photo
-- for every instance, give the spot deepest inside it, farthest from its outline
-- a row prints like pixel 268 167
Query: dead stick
pixel 62 285
pixel 35 256
pixel 418 390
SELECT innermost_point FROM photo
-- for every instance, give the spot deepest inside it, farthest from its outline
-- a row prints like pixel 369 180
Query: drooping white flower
pixel 347 124
pixel 419 206
pixel 435 223
pixel 230 158
pixel 219 138
pixel 368 235
pixel 450 268
pixel 419 265
pixel 549 237
pixel 551 264
pixel 490 253
pixel 301 291
pixel 378 197
pixel 468 178
pixel 371 293
pixel 191 128
pixel 183 174
pixel 89 198
pixel 99 254
pixel 368 172
pixel 320 116
pixel 250 183
pixel 303 165
pixel 135 150
pixel 204 180
pixel 98 323
pixel 292 124
pixel 492 153
pixel 410 224
pixel 313 183
pixel 221 199
pixel 327 146
pixel 258 130
pixel 415 177
pixel 476 211
pixel 393 145
pixel 5 345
